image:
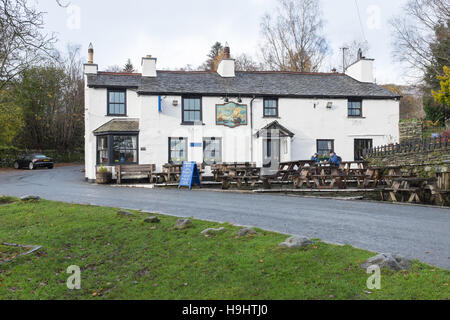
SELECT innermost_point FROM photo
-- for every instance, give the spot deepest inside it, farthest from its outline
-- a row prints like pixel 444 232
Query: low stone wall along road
pixel 413 231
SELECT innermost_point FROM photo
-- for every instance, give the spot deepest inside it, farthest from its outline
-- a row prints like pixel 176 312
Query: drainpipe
pixel 251 128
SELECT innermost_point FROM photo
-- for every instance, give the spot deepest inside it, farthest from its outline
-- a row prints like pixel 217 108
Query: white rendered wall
pixel 361 70
pixel 379 122
pixel 96 116
pixel 226 68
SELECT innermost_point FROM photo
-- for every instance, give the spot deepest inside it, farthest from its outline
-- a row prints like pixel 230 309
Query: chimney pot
pixel 91 53
pixel 226 52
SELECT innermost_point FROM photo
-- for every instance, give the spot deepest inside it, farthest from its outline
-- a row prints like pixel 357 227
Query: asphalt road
pixel 412 231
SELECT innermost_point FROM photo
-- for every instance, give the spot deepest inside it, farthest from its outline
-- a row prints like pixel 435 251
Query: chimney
pixel 362 69
pixel 91 54
pixel 90 67
pixel 148 66
pixel 226 66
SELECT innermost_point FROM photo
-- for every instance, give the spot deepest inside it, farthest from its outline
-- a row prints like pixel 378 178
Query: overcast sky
pixel 180 32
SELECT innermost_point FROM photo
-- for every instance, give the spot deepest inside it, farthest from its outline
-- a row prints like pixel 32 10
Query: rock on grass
pixel 183 224
pixel 296 242
pixel 389 261
pixel 210 231
pixel 245 231
pixel 30 198
pixel 125 213
pixel 152 220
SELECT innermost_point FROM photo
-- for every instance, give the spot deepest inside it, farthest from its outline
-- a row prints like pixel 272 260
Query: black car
pixel 33 161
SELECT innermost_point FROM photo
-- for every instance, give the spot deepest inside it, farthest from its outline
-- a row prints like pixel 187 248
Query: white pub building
pixel 159 117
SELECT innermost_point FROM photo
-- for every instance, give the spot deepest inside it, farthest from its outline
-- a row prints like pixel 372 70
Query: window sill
pixel 271 117
pixel 117 115
pixel 190 124
pixel 356 117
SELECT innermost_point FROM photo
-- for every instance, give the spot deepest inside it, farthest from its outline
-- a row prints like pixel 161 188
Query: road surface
pixel 413 231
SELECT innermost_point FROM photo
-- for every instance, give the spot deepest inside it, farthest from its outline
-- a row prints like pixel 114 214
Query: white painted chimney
pixel 362 69
pixel 90 67
pixel 148 66
pixel 226 67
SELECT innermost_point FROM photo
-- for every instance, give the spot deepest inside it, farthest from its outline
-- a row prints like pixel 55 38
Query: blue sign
pixel 196 144
pixel 159 104
pixel 189 175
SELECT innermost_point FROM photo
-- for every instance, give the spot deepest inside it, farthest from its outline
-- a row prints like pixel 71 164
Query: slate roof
pixel 119 125
pixel 245 84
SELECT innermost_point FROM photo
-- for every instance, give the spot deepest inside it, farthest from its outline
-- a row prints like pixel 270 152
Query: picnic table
pixel 289 169
pixel 326 176
pixel 237 171
pixel 354 171
pixel 171 172
pixel 411 188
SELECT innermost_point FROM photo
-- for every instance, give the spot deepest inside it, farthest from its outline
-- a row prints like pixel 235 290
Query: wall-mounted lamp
pixel 175 103
pixel 329 105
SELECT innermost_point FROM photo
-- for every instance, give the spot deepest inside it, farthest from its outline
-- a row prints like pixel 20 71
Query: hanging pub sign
pixel 231 114
pixel 189 175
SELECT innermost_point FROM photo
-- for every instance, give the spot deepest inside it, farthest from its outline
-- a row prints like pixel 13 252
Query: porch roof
pixel 119 125
pixel 275 125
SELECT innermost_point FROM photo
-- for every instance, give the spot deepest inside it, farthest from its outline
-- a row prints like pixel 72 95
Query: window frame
pixel 323 140
pixel 107 150
pixel 108 113
pixel 183 106
pixel 110 147
pixel 351 101
pixel 360 140
pixel 220 144
pixel 272 108
pixel 170 150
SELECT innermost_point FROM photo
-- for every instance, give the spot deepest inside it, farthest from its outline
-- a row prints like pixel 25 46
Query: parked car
pixel 33 161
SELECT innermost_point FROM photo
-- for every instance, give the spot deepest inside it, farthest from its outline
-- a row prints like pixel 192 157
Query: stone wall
pixel 421 163
pixel 410 130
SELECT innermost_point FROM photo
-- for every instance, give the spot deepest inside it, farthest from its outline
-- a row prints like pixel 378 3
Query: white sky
pixel 180 32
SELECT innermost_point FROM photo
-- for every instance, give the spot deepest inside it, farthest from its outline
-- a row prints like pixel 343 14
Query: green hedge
pixel 9 154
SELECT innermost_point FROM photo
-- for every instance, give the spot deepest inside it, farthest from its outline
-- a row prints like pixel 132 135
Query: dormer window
pixel 117 102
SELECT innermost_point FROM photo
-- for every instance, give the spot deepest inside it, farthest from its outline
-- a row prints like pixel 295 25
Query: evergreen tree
pixel 128 67
pixel 440 49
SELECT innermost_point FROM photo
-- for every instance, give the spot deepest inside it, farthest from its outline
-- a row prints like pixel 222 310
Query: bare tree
pixel 351 52
pixel 22 42
pixel 70 122
pixel 415 33
pixel 244 62
pixel 293 40
pixel 114 68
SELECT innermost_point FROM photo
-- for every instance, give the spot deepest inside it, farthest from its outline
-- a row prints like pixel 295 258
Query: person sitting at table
pixel 334 159
pixel 315 158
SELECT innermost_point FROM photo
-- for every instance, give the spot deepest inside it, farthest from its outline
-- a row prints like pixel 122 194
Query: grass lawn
pixel 125 258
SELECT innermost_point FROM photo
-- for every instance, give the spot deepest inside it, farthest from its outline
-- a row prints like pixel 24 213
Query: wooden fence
pixel 424 145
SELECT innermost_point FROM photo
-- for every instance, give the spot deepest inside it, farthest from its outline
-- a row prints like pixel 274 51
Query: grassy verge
pixel 123 257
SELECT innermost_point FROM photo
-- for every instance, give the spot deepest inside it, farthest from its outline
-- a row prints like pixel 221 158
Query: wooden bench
pixel 134 171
